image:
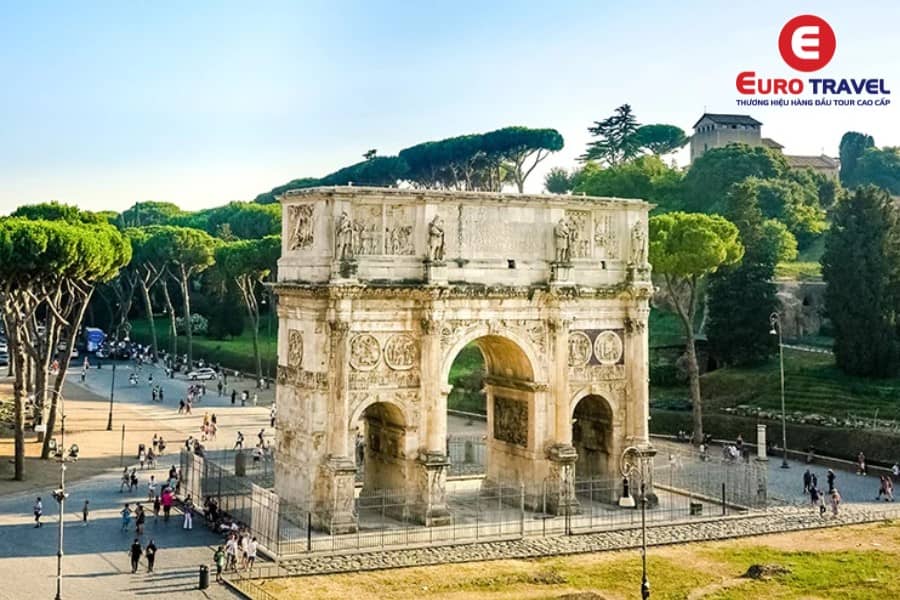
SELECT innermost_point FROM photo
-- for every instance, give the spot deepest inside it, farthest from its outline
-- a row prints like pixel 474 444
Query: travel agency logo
pixel 807 44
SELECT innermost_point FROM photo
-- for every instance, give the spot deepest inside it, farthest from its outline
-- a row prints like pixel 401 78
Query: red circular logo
pixel 807 43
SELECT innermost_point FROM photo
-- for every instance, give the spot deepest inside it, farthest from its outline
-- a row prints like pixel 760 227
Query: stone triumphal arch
pixel 380 289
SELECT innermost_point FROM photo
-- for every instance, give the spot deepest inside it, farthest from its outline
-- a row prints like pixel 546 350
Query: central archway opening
pixel 490 409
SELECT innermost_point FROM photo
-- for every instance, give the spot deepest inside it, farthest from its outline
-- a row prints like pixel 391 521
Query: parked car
pixel 204 373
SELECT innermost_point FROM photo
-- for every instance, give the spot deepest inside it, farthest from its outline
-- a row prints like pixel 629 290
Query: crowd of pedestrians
pixel 239 549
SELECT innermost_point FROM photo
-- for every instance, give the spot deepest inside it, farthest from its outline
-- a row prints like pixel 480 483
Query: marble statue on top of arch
pixel 436 239
pixel 638 245
pixel 562 234
pixel 344 237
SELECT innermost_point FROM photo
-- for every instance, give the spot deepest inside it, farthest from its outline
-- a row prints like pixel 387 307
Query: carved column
pixel 638 376
pixel 562 455
pixel 335 510
pixel 433 462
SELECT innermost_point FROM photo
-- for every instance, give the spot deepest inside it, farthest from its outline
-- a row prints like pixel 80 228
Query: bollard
pixel 204 577
pixel 723 499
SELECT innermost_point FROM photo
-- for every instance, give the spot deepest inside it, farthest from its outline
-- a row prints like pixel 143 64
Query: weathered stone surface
pixel 380 289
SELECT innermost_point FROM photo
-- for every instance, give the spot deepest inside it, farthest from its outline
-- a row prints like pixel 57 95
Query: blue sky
pixel 108 103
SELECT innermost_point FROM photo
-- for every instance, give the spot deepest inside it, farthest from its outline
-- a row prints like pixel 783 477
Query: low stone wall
pixel 772 521
pixel 880 448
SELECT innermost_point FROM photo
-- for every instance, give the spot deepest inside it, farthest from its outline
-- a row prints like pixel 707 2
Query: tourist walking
pixel 886 489
pixel 814 496
pixel 139 520
pixel 830 478
pixel 150 552
pixel 142 457
pixel 861 467
pixel 895 472
pixel 166 503
pixel 134 480
pixel 251 552
pixel 188 507
pixel 161 395
pixel 126 517
pixel 135 553
pixel 261 435
pixel 233 396
pixel 835 502
pixel 85 511
pixel 126 480
pixel 157 504
pixel 272 412
pixel 219 555
pixel 151 488
pixel 38 510
pixel 231 552
pixel 239 443
pixel 807 480
pixel 155 441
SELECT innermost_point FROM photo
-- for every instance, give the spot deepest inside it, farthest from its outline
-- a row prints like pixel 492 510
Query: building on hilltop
pixel 719 130
pixel 822 164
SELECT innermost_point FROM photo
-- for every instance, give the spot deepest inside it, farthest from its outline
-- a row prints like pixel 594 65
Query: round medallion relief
pixel 579 349
pixel 365 353
pixel 608 347
pixel 400 352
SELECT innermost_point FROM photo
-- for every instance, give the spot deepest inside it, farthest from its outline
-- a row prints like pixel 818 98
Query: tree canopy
pixel 646 177
pixel 711 176
pixel 853 146
pixel 880 167
pixel 860 268
pixel 616 141
pixel 684 249
pixel 142 214
pixel 660 139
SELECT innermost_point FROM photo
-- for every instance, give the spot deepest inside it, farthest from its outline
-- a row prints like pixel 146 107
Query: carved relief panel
pixel 511 421
pixel 368 226
pixel 579 233
pixel 399 222
pixel 300 226
pixel 295 347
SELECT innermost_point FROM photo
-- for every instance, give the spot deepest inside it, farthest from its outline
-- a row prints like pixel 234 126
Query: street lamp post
pixel 112 393
pixel 633 463
pixel 60 494
pixel 775 322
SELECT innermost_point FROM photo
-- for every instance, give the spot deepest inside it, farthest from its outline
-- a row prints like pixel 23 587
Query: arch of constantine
pixel 379 290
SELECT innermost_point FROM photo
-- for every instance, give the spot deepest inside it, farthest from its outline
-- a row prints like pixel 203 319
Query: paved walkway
pixel 96 565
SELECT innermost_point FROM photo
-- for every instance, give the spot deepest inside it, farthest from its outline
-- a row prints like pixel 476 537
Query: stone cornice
pixel 420 292
pixel 452 196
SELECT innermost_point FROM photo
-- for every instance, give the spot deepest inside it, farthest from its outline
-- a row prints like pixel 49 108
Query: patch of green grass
pixel 813 384
pixel 234 353
pixel 801 270
pixel 857 575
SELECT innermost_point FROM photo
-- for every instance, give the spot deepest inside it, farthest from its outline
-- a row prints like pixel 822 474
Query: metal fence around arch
pixel 479 510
